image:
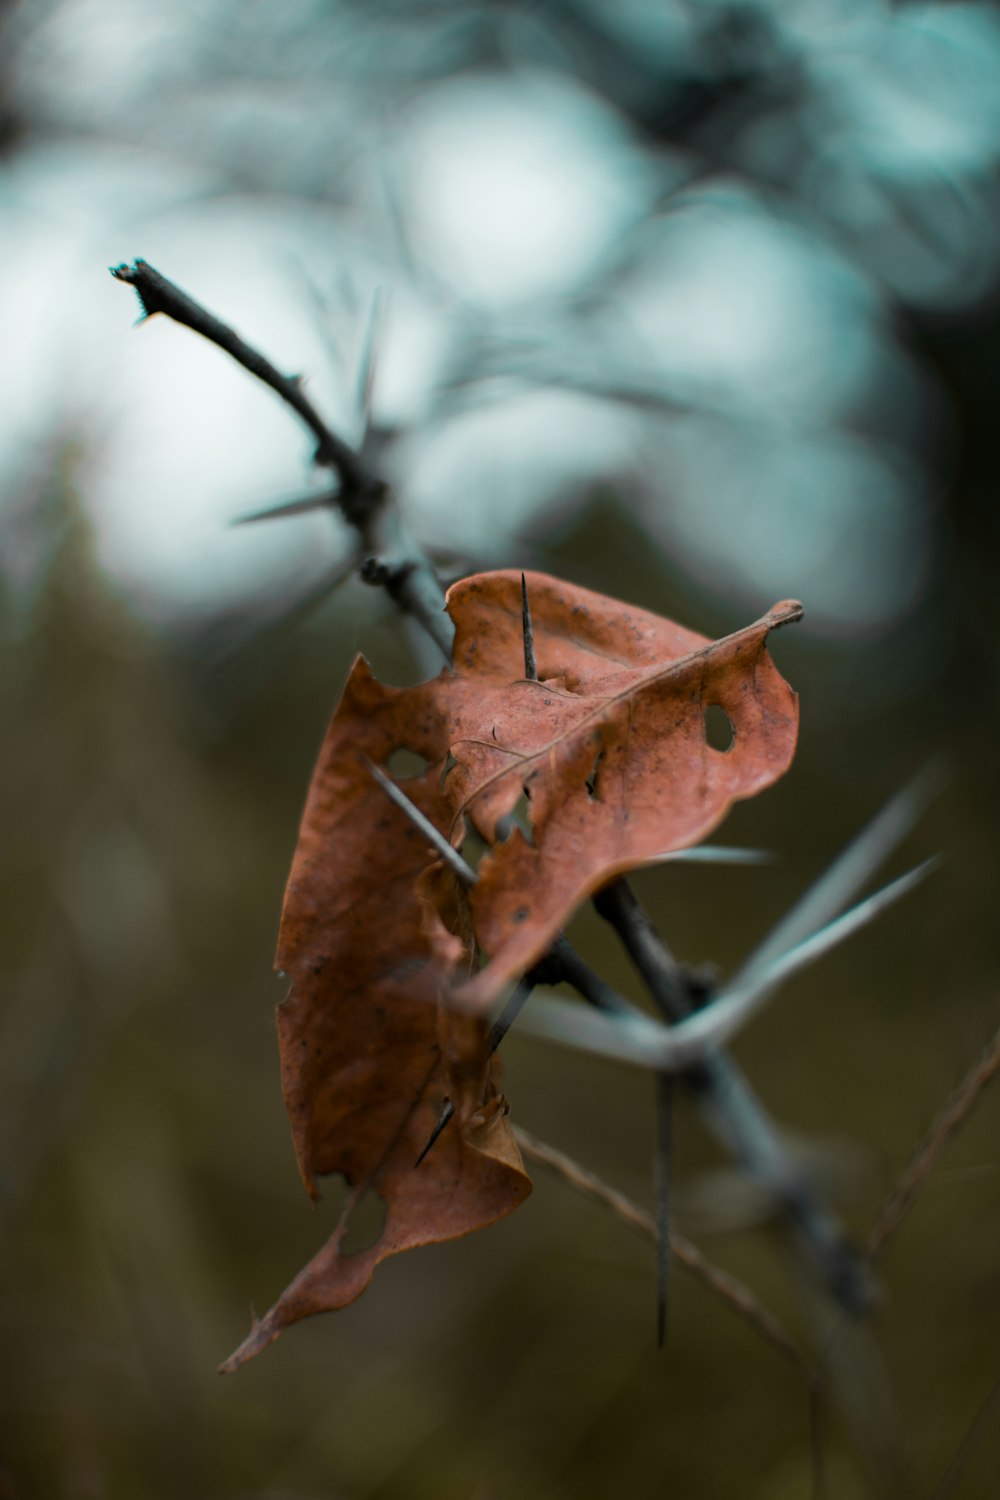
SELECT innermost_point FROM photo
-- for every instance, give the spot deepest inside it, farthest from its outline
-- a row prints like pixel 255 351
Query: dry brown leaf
pixel 609 745
pixel 610 749
pixel 369 1053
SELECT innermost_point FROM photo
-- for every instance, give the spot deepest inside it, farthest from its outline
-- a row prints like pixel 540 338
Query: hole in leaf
pixel 404 763
pixel 719 731
pixel 366 1224
pixel 592 778
pixel 473 845
pixel 518 817
pixel 446 769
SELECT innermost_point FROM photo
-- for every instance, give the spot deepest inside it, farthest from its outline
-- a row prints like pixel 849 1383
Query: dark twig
pixel 158 295
pixel 562 963
pixel 395 560
pixel 923 1161
pixel 733 1292
pixel 666 980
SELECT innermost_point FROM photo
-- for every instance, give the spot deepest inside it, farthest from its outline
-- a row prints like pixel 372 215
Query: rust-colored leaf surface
pixel 609 748
pixel 372 935
pixel 606 763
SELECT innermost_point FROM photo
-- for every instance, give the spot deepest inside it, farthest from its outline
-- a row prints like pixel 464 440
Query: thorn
pixel 365 380
pixel 508 1015
pixel 664 1133
pixel 446 1113
pixel 451 856
pixel 323 501
pixel 285 620
pixel 841 881
pixel 530 665
pixel 716 854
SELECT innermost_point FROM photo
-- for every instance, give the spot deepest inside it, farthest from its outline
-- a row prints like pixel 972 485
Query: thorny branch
pixel 395 561
pixel 158 295
pixel 914 1178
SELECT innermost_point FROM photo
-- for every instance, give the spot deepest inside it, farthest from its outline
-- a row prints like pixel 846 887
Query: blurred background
pixel 695 303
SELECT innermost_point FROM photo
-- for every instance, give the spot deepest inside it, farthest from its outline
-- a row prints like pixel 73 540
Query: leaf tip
pixel 263 1331
pixel 788 612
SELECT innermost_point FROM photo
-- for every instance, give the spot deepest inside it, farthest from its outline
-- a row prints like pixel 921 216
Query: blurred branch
pixel 951 1119
pixel 732 1291
pixel 969 1444
pixel 732 1111
pixel 639 1039
pixel 845 877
